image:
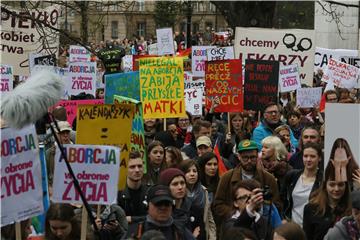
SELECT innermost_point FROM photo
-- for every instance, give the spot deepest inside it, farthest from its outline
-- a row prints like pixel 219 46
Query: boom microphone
pixel 30 101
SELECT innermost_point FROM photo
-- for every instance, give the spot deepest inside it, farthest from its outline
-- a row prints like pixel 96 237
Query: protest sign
pixel 7 78
pixel 82 77
pixel 20 36
pixel 196 83
pixel 308 97
pixel 193 101
pixel 136 59
pixel 99 80
pixel 188 77
pixel 127 63
pixel 355 61
pixel 341 74
pixel 41 59
pixel 323 55
pixel 78 54
pixel 198 58
pixel 165 41
pixel 107 125
pixel 342 126
pixel 153 49
pixel 95 167
pixel 261 83
pixel 72 105
pixel 111 58
pixel 21 187
pixel 288 46
pixel 123 84
pixel 289 79
pixel 223 80
pixel 220 53
pixel 162 87
pixel 137 130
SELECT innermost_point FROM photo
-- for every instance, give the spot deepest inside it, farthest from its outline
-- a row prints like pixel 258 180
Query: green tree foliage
pixel 166 12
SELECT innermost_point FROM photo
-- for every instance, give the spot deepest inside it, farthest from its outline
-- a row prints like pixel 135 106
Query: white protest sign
pixel 21 36
pixel 82 77
pixel 21 182
pixel 342 122
pixel 198 58
pixel 127 63
pixel 193 101
pixel 289 79
pixel 323 55
pixel 7 78
pixel 308 97
pixel 341 74
pixel 153 49
pixel 220 53
pixel 355 61
pixel 96 167
pixel 288 46
pixel 188 76
pixel 165 41
pixel 79 54
pixel 199 83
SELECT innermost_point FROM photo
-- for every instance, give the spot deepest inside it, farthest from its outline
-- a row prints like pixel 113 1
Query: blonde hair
pixel 280 150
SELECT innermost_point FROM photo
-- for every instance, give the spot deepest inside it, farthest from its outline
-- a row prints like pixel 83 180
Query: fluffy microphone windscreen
pixel 29 101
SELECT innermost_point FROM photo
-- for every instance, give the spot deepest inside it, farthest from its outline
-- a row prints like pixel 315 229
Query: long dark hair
pixel 320 198
pixel 65 213
pixel 212 185
pixel 187 164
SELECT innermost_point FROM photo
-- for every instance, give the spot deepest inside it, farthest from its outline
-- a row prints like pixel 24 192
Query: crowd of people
pixel 223 176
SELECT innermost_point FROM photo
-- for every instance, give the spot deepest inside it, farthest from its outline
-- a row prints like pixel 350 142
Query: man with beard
pixel 247 153
pixel 269 123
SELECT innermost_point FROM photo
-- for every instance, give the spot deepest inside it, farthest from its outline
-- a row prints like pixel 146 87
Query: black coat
pixel 288 187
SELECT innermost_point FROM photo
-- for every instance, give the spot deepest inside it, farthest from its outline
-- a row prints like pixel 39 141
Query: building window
pixel 212 7
pixel 114 29
pixel 141 5
pixel 141 29
pixel 195 27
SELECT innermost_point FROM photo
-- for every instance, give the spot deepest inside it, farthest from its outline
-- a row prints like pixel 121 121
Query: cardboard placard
pixel 95 167
pixel 261 83
pixel 220 53
pixel 165 41
pixel 7 78
pixel 123 84
pixel 198 58
pixel 289 79
pixel 162 87
pixel 193 101
pixel 82 76
pixel 137 130
pixel 107 125
pixel 72 105
pixel 323 55
pixel 21 185
pixel 19 37
pixel 308 97
pixel 341 74
pixel 223 80
pixel 79 54
pixel 288 46
pixel 342 128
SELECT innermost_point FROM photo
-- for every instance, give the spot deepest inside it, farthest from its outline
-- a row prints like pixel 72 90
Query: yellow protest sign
pixel 107 125
pixel 162 87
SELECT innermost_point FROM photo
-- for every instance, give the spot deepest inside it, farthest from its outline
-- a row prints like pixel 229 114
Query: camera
pixel 267 194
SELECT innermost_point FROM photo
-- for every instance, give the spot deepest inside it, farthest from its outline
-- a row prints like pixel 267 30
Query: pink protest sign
pixel 71 106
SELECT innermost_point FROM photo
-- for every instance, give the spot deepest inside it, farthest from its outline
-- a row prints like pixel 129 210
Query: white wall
pixel 327 35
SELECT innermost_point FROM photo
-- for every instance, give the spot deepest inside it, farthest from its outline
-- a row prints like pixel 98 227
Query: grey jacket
pixel 339 230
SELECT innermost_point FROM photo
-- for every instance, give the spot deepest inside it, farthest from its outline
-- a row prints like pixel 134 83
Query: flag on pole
pixel 221 166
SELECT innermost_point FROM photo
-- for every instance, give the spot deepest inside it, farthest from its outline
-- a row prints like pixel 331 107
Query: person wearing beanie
pixel 184 212
pixel 348 227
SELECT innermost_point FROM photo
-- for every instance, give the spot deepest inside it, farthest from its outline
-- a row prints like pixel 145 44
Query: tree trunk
pixel 83 7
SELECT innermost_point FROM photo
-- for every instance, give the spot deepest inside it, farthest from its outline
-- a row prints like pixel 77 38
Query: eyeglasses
pixel 244 198
pixel 272 112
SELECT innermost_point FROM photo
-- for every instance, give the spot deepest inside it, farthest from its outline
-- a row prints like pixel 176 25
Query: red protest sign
pixel 223 79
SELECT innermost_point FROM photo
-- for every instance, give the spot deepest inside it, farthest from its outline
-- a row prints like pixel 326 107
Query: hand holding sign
pixel 340 162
